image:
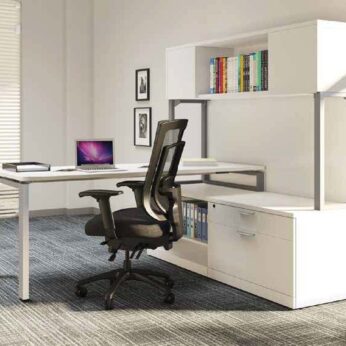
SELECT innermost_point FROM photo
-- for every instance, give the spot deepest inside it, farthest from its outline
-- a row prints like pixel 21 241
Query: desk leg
pixel 23 242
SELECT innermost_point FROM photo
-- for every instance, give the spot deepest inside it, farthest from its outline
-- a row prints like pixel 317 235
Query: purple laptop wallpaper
pixel 94 152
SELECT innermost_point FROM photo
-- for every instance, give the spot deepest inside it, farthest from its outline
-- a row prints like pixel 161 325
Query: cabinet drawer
pixel 254 257
pixel 251 221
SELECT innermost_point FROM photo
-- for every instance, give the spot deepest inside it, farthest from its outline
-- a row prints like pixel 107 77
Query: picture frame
pixel 142 126
pixel 143 84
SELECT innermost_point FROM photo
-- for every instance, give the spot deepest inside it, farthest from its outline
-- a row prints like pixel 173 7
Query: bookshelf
pixel 303 58
pixel 248 95
pixel 268 244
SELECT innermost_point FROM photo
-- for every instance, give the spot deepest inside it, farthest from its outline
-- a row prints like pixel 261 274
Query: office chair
pixel 155 222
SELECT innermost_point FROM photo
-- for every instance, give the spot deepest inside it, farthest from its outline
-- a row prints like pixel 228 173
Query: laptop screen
pixel 96 152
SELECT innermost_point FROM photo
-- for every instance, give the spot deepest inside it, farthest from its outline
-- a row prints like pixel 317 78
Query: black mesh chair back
pixel 161 196
pixel 155 222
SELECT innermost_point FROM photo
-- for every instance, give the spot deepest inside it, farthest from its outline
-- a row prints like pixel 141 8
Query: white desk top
pixel 124 171
pixel 274 203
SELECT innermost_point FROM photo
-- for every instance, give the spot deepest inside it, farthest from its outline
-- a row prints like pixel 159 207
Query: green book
pixel 259 70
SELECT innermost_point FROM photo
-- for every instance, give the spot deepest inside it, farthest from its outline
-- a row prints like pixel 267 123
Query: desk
pixel 22 181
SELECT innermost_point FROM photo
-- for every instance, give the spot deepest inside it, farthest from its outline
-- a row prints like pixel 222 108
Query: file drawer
pixel 255 257
pixel 251 221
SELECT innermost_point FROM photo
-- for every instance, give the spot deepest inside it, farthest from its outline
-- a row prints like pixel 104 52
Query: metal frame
pixel 319 146
pixel 204 151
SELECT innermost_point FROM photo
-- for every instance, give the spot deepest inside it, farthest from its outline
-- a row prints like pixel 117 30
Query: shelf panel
pixel 244 38
pixel 195 241
pixel 269 202
pixel 248 95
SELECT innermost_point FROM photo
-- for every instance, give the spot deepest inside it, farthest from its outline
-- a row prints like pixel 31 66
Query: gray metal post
pixel 171 109
pixel 204 134
pixel 319 190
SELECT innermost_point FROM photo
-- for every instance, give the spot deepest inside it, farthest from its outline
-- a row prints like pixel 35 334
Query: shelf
pixel 244 38
pixel 274 203
pixel 249 95
pixel 195 241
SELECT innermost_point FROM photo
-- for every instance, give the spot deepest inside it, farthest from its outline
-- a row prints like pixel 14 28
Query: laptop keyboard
pixel 98 169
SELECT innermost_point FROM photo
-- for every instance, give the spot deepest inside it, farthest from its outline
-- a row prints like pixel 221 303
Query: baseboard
pixel 64 211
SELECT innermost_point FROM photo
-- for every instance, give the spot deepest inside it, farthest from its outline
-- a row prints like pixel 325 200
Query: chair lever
pixel 139 253
pixel 134 252
pixel 112 257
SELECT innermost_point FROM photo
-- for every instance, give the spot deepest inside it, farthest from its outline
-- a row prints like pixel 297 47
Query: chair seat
pixel 130 223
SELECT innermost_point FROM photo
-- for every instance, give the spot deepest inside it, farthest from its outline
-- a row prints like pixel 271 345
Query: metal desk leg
pixel 23 242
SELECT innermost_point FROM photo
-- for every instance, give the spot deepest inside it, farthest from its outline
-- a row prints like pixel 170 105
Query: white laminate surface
pixel 133 170
pixel 275 203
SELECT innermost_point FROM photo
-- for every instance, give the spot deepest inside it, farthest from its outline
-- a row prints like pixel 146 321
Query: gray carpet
pixel 205 313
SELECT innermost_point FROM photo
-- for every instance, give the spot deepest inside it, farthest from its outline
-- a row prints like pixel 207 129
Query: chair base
pixel 116 277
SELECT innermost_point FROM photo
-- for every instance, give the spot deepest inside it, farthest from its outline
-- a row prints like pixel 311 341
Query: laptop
pixel 95 154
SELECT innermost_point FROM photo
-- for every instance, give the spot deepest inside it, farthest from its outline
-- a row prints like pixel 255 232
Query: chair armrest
pixel 102 197
pixel 132 184
pixel 99 194
pixel 137 187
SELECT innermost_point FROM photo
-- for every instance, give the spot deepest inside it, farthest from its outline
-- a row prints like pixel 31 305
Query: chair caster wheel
pixel 81 291
pixel 170 298
pixel 169 283
pixel 108 304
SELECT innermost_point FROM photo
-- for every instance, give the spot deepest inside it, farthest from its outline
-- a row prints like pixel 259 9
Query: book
pixel 253 72
pixel 259 71
pixel 217 75
pixel 199 223
pixel 235 74
pixel 220 75
pixel 26 167
pixel 194 233
pixel 224 75
pixel 204 235
pixel 265 69
pixel 241 72
pixel 230 75
pixel 183 207
pixel 212 76
pixel 246 72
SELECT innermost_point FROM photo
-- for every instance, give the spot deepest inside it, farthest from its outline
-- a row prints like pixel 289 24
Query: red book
pixel 217 75
pixel 220 76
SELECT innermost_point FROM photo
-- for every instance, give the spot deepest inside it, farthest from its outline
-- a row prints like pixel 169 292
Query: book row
pixel 245 72
pixel 195 220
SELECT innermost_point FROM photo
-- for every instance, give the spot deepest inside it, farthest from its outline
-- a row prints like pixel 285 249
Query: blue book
pixel 188 233
pixel 212 76
pixel 204 225
pixel 183 206
pixel 199 223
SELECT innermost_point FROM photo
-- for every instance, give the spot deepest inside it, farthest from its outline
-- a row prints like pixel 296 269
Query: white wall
pixel 57 90
pixel 78 65
pixel 134 34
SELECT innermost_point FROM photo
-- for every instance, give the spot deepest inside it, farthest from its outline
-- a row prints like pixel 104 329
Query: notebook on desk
pixel 95 155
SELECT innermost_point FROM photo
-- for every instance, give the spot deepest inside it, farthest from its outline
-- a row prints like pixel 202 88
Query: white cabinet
pixel 303 58
pixel 186 253
pixel 250 247
pixel 187 70
pixel 272 245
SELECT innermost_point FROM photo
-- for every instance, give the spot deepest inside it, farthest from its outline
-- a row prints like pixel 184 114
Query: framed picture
pixel 143 84
pixel 142 126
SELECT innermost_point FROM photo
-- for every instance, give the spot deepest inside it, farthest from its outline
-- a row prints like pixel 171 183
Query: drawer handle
pixel 246 234
pixel 247 213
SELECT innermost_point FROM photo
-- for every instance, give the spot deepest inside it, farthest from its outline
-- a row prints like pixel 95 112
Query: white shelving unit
pixel 273 245
pixel 287 249
pixel 304 58
pixel 247 96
